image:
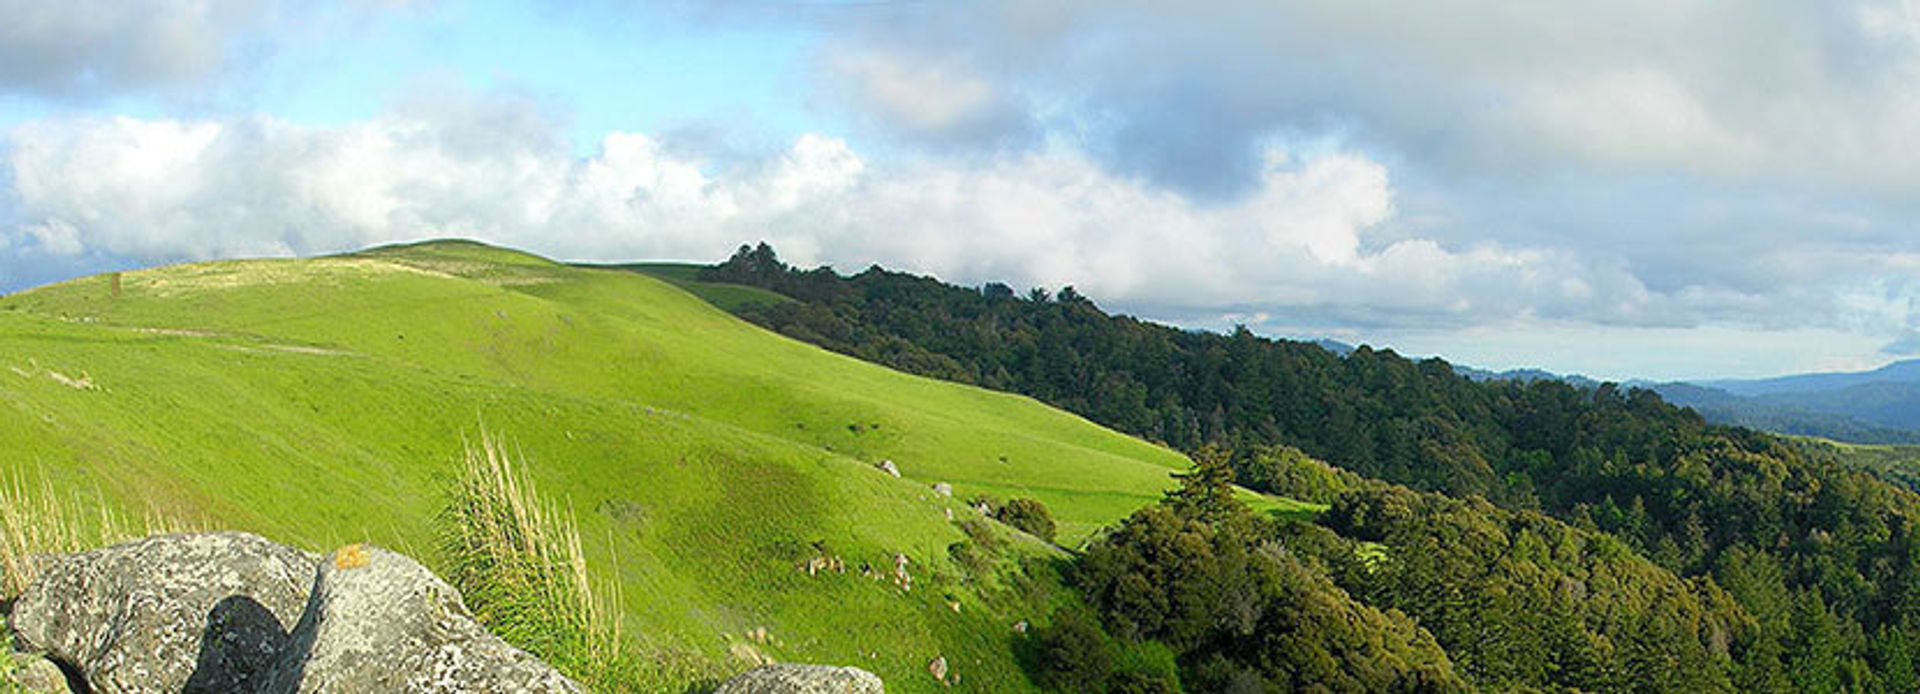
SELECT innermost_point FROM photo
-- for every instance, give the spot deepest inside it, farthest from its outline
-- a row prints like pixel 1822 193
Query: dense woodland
pixel 1540 535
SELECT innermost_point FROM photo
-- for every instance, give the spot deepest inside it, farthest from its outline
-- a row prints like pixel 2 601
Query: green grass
pixel 723 295
pixel 7 666
pixel 322 402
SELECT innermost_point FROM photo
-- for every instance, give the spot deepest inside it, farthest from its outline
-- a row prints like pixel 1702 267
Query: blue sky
pixel 1690 188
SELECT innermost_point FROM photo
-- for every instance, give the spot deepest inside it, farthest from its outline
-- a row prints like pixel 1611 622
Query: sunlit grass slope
pixel 325 401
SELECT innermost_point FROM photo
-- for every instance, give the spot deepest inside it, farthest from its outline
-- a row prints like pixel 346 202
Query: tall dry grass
pixel 37 519
pixel 518 563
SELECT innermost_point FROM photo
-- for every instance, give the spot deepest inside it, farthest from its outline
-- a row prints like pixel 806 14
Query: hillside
pixel 324 401
pixel 1759 566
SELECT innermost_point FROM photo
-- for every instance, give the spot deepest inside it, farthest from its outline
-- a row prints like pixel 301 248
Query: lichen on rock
pixel 378 621
pixel 203 612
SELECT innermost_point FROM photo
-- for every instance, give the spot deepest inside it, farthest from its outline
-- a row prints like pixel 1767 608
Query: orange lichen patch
pixel 351 556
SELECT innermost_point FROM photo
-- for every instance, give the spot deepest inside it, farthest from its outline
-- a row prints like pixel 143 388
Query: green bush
pixel 1028 516
pixel 1074 653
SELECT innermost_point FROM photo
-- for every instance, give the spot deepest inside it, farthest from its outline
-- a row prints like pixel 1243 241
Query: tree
pixel 1205 494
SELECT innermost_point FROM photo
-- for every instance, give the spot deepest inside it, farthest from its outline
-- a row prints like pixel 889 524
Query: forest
pixel 1481 535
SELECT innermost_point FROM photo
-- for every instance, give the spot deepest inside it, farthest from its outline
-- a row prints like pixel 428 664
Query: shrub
pixel 1074 653
pixel 1028 516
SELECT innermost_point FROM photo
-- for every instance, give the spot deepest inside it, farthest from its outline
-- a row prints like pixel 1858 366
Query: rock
pixel 887 465
pixel 38 676
pixel 900 575
pixel 202 612
pixel 377 621
pixel 802 679
pixel 938 668
pixel 943 489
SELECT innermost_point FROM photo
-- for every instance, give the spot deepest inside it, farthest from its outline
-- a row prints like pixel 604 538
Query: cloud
pixel 1306 239
pixel 1324 241
pixel 81 47
pixel 1186 94
pixel 937 101
pixel 196 52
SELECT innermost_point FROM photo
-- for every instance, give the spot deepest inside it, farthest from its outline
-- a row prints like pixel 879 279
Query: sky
pixel 1629 189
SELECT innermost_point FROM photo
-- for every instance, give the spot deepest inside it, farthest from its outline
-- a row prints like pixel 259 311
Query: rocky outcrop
pixel 380 622
pixel 231 612
pixel 802 679
pixel 195 613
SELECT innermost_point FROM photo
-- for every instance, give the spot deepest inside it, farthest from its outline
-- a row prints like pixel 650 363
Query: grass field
pixel 686 276
pixel 326 401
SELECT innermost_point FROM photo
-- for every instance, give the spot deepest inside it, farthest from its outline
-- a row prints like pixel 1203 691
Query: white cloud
pixel 930 99
pixel 923 95
pixel 1317 245
pixel 76 46
pixel 158 190
pixel 1732 90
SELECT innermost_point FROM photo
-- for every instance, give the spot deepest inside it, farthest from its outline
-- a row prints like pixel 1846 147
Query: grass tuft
pixel 37 520
pixel 517 562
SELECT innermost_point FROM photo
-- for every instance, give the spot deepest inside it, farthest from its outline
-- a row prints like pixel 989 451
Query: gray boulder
pixel 802 679
pixel 175 613
pixel 378 621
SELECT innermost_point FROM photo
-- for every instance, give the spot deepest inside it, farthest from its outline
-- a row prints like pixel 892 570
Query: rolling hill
pixel 324 401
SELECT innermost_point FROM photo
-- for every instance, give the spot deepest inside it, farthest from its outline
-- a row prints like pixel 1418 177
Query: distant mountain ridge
pixel 1525 375
pixel 1905 371
pixel 1877 406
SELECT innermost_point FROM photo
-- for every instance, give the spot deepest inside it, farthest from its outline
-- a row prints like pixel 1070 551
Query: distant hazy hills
pixel 1878 406
pixel 1900 372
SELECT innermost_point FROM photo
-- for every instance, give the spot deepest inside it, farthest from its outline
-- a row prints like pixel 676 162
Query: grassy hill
pixel 325 401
